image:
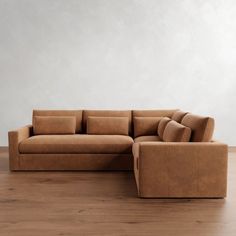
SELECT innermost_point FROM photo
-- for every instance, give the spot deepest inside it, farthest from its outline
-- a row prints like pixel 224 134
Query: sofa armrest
pixel 169 169
pixel 14 138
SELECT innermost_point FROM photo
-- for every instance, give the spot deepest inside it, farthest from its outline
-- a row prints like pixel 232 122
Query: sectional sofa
pixel 171 152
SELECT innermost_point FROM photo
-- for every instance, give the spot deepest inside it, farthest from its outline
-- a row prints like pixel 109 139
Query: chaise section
pixel 81 144
pixel 177 170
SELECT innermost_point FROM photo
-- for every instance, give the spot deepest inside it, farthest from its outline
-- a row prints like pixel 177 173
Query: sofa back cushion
pixel 108 125
pixel 76 113
pixel 153 113
pixel 162 125
pixel 145 125
pixel 105 113
pixel 202 127
pixel 54 124
pixel 175 132
pixel 179 115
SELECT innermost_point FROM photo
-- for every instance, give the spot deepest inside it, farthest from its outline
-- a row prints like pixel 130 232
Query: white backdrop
pixel 118 54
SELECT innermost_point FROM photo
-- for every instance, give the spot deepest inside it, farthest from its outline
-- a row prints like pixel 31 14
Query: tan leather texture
pixel 76 113
pixel 108 125
pixel 202 127
pixel 175 132
pixel 54 125
pixel 145 125
pixel 78 143
pixel 162 125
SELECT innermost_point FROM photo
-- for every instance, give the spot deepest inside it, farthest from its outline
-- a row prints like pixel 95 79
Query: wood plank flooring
pixel 105 203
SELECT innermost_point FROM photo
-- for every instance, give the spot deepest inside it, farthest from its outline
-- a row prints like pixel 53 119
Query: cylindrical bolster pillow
pixel 108 125
pixel 54 124
pixel 175 132
pixel 202 127
pixel 162 125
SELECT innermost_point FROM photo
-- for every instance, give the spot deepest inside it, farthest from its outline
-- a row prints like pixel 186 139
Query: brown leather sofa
pixel 171 151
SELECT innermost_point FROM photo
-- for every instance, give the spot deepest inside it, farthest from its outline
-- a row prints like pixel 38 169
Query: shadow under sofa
pixel 126 140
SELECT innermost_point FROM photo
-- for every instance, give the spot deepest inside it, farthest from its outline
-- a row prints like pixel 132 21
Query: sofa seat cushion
pixel 150 138
pixel 78 143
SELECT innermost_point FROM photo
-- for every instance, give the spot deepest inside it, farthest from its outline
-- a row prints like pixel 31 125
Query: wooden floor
pixel 105 203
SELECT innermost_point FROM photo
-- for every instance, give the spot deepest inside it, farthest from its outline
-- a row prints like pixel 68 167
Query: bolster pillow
pixel 202 127
pixel 54 124
pixel 175 132
pixel 108 125
pixel 162 125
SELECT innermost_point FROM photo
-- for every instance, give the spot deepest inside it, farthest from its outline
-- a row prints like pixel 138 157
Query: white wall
pixel 118 54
